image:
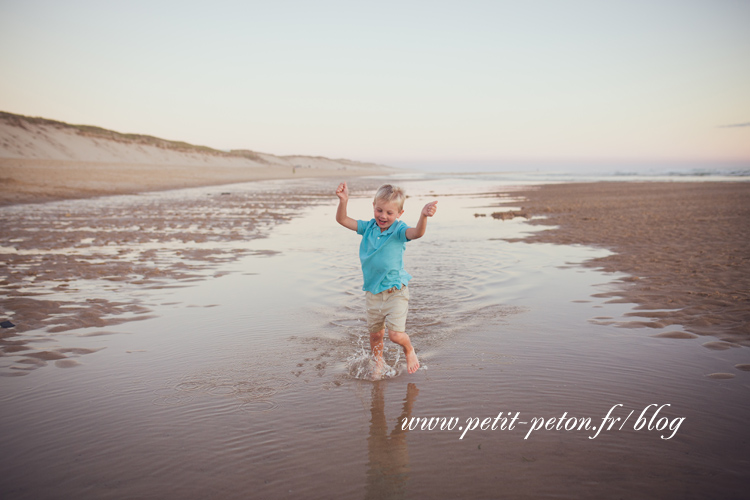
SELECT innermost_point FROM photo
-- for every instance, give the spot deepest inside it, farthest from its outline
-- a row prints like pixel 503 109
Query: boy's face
pixel 386 213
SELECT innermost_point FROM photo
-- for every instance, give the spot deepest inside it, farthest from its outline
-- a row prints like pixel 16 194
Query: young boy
pixel 382 255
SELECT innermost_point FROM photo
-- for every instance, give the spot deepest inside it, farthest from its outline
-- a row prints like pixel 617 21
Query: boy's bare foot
pixel 402 339
pixel 412 363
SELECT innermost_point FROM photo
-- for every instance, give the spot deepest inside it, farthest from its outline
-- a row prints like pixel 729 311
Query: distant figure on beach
pixel 382 255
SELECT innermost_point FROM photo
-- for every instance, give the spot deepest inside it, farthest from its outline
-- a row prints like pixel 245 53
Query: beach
pixel 180 332
pixel 211 341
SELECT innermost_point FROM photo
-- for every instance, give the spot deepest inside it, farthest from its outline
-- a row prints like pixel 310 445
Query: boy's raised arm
pixel 418 231
pixel 343 193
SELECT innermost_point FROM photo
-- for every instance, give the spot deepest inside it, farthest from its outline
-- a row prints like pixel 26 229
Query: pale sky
pixel 398 82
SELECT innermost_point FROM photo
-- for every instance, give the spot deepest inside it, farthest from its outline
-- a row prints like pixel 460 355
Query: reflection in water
pixel 388 467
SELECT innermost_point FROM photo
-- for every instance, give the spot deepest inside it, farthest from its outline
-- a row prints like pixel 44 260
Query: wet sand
pixel 684 246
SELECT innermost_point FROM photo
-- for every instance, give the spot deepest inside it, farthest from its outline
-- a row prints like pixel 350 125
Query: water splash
pixel 361 364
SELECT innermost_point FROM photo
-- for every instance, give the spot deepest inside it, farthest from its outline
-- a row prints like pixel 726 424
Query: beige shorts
pixel 387 309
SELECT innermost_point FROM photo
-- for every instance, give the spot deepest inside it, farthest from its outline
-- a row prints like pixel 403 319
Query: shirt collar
pixel 390 230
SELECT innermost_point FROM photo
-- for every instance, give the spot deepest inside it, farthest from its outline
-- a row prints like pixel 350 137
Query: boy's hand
pixel 430 209
pixel 342 192
pixel 416 232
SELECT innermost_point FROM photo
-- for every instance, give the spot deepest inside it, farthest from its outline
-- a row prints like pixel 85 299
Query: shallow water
pixel 248 379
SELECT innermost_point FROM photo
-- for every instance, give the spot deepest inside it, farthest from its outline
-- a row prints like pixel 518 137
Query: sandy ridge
pixel 43 160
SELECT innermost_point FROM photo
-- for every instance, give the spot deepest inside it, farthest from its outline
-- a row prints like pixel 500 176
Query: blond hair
pixel 391 194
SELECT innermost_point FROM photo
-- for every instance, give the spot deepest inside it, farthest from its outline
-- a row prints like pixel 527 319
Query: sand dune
pixel 43 160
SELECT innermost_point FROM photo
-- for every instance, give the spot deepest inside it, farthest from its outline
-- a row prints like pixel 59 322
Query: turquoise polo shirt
pixel 382 255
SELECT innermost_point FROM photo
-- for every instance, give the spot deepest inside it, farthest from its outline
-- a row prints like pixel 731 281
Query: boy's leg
pixel 376 326
pixel 402 339
pixel 376 347
pixel 376 343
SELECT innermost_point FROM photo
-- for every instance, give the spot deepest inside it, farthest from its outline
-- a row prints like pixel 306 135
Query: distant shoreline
pixel 40 181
